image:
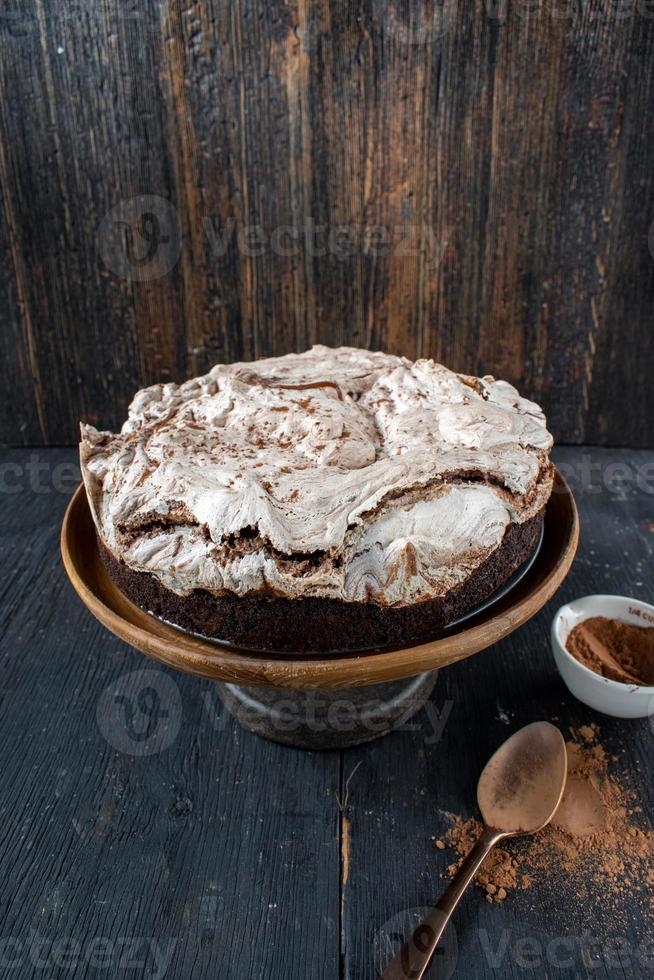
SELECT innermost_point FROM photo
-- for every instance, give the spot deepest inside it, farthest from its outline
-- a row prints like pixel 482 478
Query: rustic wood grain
pixel 477 175
pixel 246 859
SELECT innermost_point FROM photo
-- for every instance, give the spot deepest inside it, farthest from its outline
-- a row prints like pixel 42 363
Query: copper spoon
pixel 518 793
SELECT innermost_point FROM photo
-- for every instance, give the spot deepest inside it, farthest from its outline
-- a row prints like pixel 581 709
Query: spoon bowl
pixel 518 793
pixel 522 783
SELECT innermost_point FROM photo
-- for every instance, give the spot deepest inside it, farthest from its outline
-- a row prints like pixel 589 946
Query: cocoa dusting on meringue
pixel 338 474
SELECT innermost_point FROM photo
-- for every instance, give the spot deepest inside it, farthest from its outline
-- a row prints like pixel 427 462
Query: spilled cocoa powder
pixel 499 873
pixel 614 649
pixel 593 847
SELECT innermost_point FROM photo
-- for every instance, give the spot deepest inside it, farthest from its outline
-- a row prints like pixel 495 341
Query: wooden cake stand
pixel 320 701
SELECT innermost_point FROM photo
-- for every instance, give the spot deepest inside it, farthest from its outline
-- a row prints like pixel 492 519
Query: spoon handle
pixel 415 956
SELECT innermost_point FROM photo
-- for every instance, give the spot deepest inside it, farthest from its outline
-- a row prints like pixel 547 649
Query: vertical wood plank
pixel 468 180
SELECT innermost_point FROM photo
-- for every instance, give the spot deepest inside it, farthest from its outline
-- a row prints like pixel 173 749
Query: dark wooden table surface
pixel 178 845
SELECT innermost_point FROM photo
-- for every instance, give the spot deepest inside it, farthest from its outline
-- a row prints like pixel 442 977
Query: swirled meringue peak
pixel 337 473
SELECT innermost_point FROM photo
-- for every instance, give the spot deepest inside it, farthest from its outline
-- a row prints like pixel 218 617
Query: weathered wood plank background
pixel 470 180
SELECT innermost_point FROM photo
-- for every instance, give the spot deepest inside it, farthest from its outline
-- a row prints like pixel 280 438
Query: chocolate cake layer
pixel 267 622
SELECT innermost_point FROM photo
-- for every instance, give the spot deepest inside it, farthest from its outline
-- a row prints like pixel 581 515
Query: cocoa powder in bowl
pixel 614 649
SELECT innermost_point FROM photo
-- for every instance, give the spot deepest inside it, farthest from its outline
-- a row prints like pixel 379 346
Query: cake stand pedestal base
pixel 327 719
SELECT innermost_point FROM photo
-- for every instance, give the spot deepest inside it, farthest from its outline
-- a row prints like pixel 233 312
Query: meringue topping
pixel 338 473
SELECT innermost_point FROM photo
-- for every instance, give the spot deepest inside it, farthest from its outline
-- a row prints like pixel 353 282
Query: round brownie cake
pixel 338 499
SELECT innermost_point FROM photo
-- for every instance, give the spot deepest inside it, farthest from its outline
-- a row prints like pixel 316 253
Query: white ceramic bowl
pixel 610 697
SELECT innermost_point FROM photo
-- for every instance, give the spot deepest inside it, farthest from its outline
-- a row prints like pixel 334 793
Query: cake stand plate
pixel 320 701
